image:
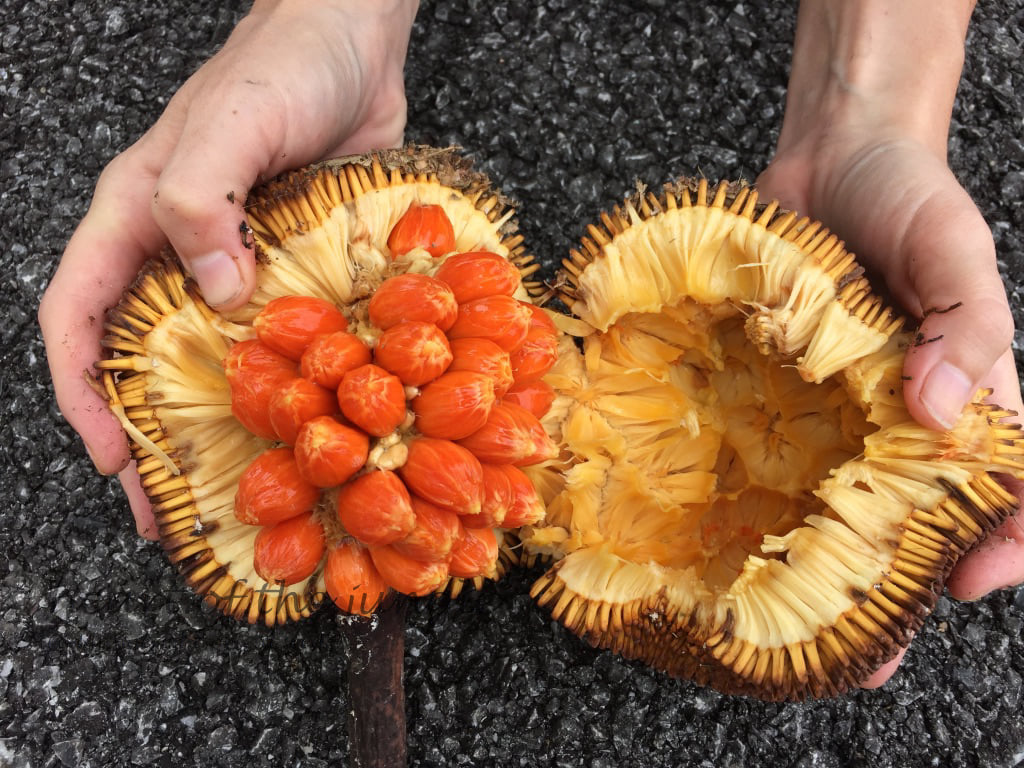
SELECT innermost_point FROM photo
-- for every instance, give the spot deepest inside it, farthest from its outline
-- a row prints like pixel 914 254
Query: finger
pixel 784 181
pixel 966 325
pixel 103 256
pixel 881 675
pixel 233 135
pixel 142 511
pixel 998 561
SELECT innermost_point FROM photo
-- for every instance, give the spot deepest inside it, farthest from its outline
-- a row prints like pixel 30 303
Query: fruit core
pixel 713 444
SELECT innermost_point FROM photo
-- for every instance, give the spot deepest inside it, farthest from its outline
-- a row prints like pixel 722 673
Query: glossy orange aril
pixel 483 356
pixel 255 372
pixel 495 502
pixel 454 405
pixel 328 453
pixel 329 357
pixel 445 474
pixel 372 399
pixel 501 319
pixel 290 551
pixel 535 356
pixel 288 324
pixel 435 531
pixel 416 352
pixel 541 319
pixel 413 296
pixel 352 580
pixel 271 489
pixel 512 435
pixel 422 226
pixel 526 507
pixel 477 274
pixel 406 575
pixel 295 403
pixel 375 508
pixel 535 396
pixel 474 554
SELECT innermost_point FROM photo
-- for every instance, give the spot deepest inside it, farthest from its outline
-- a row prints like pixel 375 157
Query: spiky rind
pixel 856 521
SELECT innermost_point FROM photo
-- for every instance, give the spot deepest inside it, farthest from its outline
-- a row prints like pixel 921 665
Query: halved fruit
pixel 322 237
pixel 742 498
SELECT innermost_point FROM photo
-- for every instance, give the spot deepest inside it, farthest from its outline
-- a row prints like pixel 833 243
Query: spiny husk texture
pixel 743 499
pixel 317 232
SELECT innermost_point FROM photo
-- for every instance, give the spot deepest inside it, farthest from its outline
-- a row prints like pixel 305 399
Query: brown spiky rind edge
pixel 704 649
pixel 290 204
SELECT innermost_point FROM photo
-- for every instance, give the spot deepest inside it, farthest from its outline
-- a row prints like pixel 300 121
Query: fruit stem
pixel 376 651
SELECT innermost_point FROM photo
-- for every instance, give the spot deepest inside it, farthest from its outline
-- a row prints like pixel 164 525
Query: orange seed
pixel 290 551
pixel 352 580
pixel 375 508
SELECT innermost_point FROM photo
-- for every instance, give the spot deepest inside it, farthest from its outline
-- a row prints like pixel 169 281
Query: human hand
pixel 867 156
pixel 295 82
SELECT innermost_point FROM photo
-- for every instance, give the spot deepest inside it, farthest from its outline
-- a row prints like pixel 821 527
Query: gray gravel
pixel 106 660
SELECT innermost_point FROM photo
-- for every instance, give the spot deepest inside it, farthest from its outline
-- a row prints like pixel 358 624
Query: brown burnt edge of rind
pixel 845 654
pixel 381 168
pixel 741 199
pixel 446 164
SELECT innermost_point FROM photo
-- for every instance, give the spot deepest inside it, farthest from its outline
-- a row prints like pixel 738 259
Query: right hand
pixel 296 82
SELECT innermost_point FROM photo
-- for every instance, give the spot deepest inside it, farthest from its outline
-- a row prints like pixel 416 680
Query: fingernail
pixel 945 392
pixel 218 277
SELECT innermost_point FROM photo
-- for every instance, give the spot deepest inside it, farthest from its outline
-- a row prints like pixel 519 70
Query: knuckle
pixel 174 199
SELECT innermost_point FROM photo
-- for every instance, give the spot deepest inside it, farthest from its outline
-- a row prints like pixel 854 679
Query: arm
pixel 296 82
pixel 863 148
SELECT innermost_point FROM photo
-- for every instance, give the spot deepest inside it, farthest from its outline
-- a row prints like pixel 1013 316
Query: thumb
pixel 966 322
pixel 200 196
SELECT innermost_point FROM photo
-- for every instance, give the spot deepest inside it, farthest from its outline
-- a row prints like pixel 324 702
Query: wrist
pixel 875 68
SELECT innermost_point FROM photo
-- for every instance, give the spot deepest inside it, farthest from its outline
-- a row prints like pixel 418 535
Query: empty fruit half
pixel 742 498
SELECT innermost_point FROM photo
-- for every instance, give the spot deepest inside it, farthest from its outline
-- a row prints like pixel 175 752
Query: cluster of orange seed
pixel 413 443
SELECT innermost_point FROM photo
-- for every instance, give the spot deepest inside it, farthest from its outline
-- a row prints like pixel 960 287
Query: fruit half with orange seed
pixel 193 387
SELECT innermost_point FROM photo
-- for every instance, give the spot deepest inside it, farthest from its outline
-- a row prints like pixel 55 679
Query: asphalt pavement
pixel 106 659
